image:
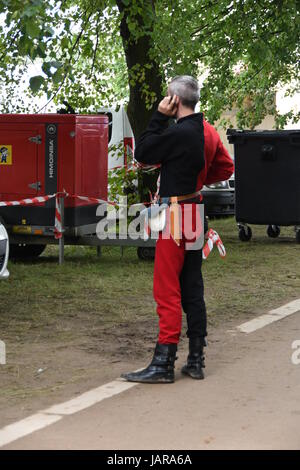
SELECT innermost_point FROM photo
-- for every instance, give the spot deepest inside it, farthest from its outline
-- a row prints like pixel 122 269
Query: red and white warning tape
pixel 134 166
pixel 39 200
pixel 213 238
pixel 110 203
pixel 25 202
pixel 58 230
pixel 95 200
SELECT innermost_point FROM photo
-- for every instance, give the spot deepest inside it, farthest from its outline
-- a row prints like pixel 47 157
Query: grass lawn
pixel 50 315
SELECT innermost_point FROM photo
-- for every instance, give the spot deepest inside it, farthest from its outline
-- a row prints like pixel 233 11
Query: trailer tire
pixel 146 254
pixel 23 251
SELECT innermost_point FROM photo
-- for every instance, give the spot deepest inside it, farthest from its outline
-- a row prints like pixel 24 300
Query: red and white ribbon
pixel 213 238
pixel 57 224
pixel 95 200
pixel 25 202
pixel 134 166
pixel 110 203
pixel 39 200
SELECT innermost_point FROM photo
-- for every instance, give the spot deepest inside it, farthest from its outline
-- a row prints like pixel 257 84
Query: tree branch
pixel 96 45
pixel 234 94
pixel 223 12
pixel 69 61
pixel 10 44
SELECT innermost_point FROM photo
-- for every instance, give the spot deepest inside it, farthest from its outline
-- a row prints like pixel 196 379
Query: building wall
pixel 267 124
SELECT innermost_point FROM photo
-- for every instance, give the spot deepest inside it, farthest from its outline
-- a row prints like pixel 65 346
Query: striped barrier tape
pixel 58 230
pixel 136 166
pixel 213 238
pixel 25 202
pixel 39 200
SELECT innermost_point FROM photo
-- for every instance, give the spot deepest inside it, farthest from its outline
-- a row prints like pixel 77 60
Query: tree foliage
pixel 96 52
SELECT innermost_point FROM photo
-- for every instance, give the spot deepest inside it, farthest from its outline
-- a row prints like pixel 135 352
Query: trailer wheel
pixel 273 231
pixel 146 254
pixel 297 236
pixel 245 233
pixel 23 251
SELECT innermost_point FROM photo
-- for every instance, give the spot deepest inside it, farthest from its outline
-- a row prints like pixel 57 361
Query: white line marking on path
pixel 270 317
pixel 90 398
pixel 51 415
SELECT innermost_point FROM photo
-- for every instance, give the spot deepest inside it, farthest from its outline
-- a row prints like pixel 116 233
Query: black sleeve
pixel 158 142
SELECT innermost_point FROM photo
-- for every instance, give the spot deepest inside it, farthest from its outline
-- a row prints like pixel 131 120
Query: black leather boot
pixel 195 361
pixel 161 369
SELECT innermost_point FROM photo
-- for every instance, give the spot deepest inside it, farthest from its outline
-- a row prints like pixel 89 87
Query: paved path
pixel 250 399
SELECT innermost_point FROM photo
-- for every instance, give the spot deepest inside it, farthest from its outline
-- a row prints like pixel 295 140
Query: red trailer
pixel 42 154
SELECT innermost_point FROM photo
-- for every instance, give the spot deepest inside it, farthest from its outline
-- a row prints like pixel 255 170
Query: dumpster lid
pixel 238 135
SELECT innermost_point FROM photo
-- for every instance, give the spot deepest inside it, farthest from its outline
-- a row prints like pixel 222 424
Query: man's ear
pixel 178 103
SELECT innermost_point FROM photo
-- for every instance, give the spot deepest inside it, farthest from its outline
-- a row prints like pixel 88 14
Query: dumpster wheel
pixel 245 233
pixel 145 253
pixel 273 231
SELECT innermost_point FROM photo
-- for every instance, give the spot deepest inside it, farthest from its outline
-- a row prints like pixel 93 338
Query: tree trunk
pixel 137 53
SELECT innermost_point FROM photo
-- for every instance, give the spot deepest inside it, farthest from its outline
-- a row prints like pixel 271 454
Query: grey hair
pixel 187 89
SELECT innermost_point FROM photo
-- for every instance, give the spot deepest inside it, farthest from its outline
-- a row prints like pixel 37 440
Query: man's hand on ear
pixel 169 105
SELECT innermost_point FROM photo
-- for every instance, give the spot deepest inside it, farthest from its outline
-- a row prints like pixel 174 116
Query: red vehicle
pixel 42 154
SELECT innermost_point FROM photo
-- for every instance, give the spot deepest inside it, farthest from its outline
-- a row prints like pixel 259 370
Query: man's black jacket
pixel 179 149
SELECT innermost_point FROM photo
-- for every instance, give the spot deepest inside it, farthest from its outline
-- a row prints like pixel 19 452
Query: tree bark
pixel 137 52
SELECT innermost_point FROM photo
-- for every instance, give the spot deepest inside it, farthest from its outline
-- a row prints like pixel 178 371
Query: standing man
pixel 178 281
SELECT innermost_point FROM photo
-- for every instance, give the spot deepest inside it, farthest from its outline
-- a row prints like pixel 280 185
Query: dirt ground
pixel 40 373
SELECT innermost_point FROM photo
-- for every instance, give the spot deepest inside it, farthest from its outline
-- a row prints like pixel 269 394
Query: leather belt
pixel 175 199
pixel 175 217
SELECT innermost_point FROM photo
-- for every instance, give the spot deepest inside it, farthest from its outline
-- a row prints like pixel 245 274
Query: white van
pixel 120 135
pixel 120 145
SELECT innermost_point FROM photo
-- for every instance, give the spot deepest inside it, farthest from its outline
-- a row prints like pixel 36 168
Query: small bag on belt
pixel 155 216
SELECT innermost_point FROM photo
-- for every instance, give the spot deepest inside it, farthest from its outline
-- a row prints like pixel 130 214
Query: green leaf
pixel 55 64
pixel 47 66
pixel 32 29
pixel 48 31
pixel 57 76
pixel 64 43
pixel 36 83
pixel 41 50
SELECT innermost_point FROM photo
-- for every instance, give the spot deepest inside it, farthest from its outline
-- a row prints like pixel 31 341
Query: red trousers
pixel 178 284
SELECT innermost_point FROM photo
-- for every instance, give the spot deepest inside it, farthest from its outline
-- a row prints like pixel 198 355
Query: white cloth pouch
pixel 155 216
